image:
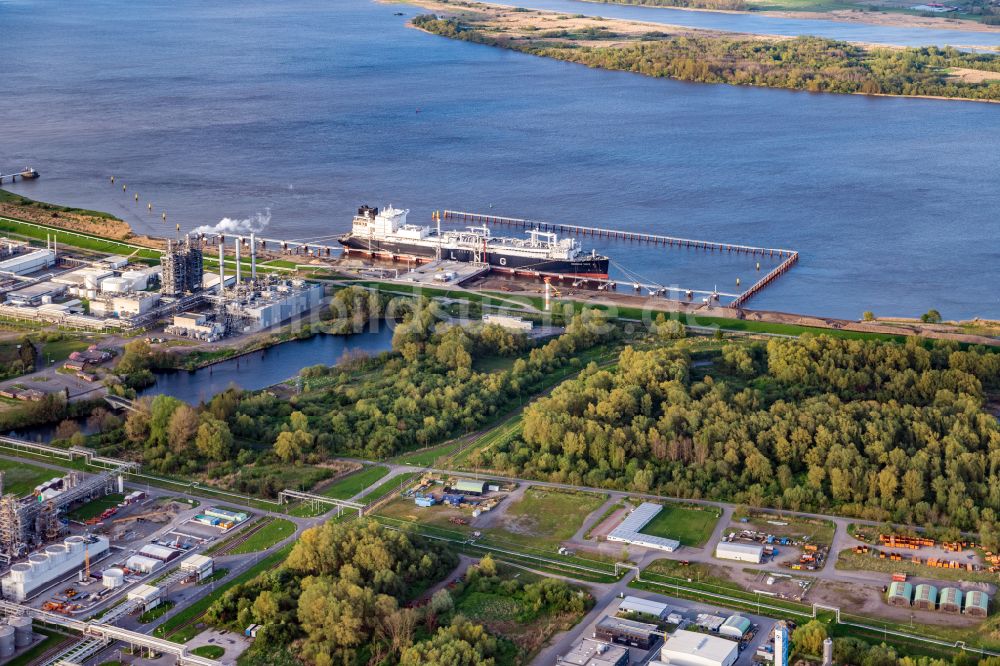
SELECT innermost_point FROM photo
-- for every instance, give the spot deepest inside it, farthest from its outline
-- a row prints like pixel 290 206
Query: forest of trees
pixel 423 392
pixel 803 63
pixel 344 597
pixel 870 429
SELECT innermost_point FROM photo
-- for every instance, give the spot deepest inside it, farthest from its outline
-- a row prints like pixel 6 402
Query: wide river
pixel 309 108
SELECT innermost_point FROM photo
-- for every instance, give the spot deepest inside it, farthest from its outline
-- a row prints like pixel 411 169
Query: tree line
pixel 802 63
pixel 876 430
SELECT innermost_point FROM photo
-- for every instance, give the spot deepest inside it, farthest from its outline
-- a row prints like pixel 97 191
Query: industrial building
pixel 148 595
pixel 735 627
pixel 27 522
pixel 50 565
pixel 690 648
pixel 925 596
pixel 161 553
pixel 627 632
pixel 196 326
pixel 900 594
pixel 199 567
pixel 10 247
pixel 741 552
pixel 782 644
pixel 642 606
pixel 183 266
pixel 124 306
pixel 84 282
pixel 951 600
pixel 589 652
pixel 28 262
pixel 629 530
pixel 143 564
pixel 469 487
pixel 36 294
pixel 977 604
pixel 508 321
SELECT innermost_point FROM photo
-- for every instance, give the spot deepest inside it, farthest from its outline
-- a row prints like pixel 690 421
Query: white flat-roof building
pixel 690 648
pixel 36 294
pixel 629 530
pixel 143 564
pixel 589 652
pixel 741 552
pixel 632 604
pixel 149 595
pixel 199 566
pixel 49 565
pixel 28 262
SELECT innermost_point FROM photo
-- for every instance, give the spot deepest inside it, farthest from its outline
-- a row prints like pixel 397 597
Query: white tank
pixel 57 553
pixel 90 281
pixel 6 641
pixel 113 578
pixel 21 572
pixel 39 562
pixel 75 544
pixel 22 630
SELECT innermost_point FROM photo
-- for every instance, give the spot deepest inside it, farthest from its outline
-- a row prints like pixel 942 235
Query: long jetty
pixel 789 257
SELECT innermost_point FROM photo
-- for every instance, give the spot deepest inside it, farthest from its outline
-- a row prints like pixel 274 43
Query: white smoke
pixel 227 225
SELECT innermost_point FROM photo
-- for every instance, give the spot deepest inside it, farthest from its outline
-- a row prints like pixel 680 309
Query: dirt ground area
pixel 973 75
pixel 869 600
pixel 602 530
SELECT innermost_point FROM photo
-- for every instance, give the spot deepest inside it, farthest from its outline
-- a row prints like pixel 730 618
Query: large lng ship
pixel 385 233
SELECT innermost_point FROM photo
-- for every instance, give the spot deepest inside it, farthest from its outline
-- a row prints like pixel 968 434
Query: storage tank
pixel 75 544
pixel 113 578
pixel 90 281
pixel 22 630
pixel 6 641
pixel 57 553
pixel 20 572
pixel 39 562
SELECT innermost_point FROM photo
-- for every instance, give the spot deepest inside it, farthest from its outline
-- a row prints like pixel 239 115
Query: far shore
pixel 884 18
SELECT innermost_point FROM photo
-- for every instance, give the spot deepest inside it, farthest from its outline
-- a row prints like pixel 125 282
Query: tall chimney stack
pixel 236 239
pixel 253 257
pixel 222 266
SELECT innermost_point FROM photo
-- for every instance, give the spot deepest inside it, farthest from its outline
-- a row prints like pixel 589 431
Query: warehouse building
pixel 925 596
pixel 148 595
pixel 900 594
pixel 741 552
pixel 642 606
pixel 36 294
pixel 590 652
pixel 143 564
pixel 626 632
pixel 951 600
pixel 630 529
pixel 977 604
pixel 161 553
pixel 45 567
pixel 29 262
pixel 469 487
pixel 199 567
pixel 690 648
pixel 735 627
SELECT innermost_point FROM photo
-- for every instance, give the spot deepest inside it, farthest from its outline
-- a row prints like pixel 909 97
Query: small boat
pixel 29 173
pixel 397 13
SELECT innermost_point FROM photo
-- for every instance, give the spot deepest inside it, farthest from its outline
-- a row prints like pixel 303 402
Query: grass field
pixel 181 627
pixel 275 531
pixel 690 525
pixel 546 516
pixel 95 508
pixel 427 457
pixel 60 350
pixel 20 478
pixel 351 485
pixel 386 487
pixel 33 653
pixel 75 239
pixel 209 651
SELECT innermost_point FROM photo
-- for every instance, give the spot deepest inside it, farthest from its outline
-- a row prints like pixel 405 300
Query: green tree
pixel 214 440
pixel 808 638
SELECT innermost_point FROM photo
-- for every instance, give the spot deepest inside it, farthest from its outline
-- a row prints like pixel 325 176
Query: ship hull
pixel 589 267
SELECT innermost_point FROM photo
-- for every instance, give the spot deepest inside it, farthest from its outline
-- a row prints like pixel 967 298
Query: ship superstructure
pixel 386 234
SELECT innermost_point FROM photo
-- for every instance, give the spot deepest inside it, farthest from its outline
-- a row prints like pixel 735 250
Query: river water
pixel 308 108
pixel 269 366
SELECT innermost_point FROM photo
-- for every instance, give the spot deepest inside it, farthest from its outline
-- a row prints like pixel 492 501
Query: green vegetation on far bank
pixel 803 63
